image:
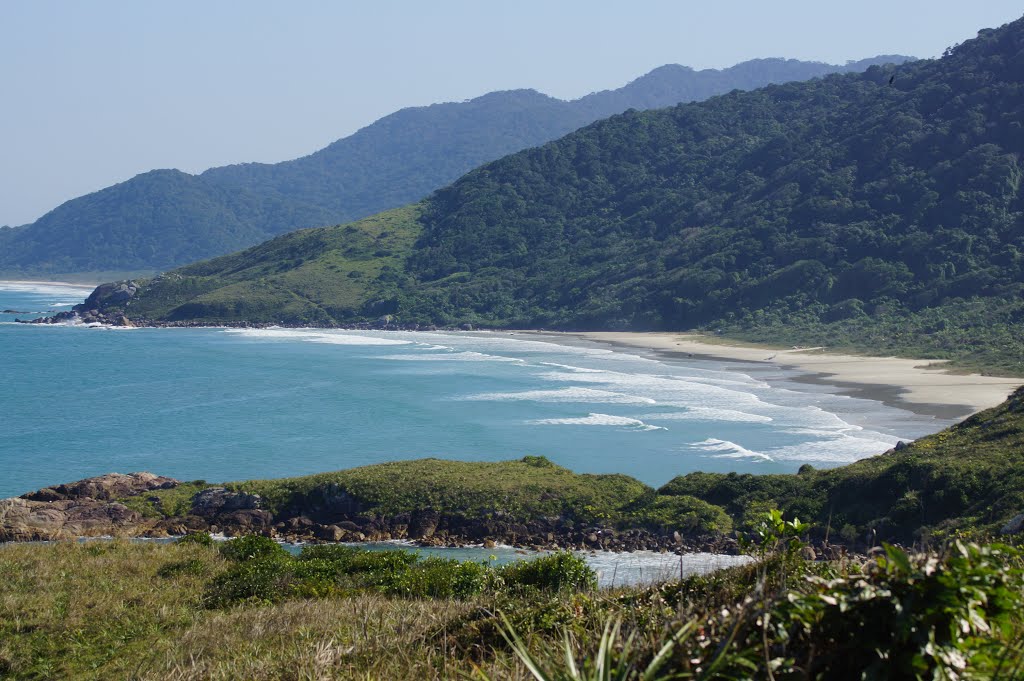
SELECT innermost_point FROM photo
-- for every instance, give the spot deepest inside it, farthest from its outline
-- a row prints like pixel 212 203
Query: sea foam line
pixel 729 450
pixel 573 394
pixel 597 419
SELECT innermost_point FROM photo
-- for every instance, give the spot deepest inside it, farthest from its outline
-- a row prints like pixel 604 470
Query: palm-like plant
pixel 606 665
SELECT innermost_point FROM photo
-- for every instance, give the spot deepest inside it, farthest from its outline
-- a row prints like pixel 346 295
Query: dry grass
pixel 100 611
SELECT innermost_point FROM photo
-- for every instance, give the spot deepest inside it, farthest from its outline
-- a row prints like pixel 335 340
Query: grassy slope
pixel 99 611
pixel 112 610
pixel 313 276
pixel 516 491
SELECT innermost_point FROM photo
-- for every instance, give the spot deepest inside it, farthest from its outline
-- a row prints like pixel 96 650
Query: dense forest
pixel 167 218
pixel 881 209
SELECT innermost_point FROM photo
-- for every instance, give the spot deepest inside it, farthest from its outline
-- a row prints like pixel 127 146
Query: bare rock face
pixel 215 501
pixel 24 520
pixel 104 487
pixel 79 509
pixel 423 524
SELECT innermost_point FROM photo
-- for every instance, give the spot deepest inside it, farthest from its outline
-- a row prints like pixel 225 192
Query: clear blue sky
pixel 92 93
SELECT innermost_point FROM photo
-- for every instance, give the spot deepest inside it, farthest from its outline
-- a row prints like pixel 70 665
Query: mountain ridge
pixel 879 211
pixel 156 222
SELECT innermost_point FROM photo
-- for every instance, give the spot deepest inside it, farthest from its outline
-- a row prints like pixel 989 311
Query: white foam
pixel 709 414
pixel 339 339
pixel 574 369
pixel 595 419
pixel 728 450
pixel 563 395
pixel 835 448
pixel 464 356
pixel 317 336
pixel 648 567
pixel 47 288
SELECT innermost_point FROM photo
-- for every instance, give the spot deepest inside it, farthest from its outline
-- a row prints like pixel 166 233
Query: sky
pixel 92 93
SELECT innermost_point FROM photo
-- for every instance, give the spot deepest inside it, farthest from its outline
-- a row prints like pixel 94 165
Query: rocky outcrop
pixel 104 487
pixel 79 509
pixel 236 511
pixel 90 507
pixel 105 305
pixel 24 520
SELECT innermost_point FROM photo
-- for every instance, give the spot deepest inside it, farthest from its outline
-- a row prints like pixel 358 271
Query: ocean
pixel 229 404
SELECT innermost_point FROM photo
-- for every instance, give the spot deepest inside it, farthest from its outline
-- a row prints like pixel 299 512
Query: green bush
pixel 439 578
pixel 201 538
pixel 251 547
pixel 334 553
pixel 554 572
pixel 684 513
pixel 265 579
pixel 192 566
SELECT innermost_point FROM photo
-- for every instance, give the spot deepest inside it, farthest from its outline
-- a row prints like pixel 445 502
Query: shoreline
pixel 41 282
pixel 917 385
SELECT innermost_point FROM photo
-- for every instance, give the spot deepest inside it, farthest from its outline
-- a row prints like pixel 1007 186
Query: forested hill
pixel 881 209
pixel 166 218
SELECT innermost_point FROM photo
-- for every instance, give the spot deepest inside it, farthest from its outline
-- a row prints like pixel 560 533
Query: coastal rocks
pixel 27 520
pixel 79 509
pixel 423 524
pixel 237 512
pixel 108 295
pixel 217 500
pixel 104 487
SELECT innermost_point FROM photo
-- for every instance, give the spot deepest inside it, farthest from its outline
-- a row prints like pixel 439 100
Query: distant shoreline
pixel 918 385
pixel 42 282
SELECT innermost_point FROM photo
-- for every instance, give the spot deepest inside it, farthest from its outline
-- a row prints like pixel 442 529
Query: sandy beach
pixel 918 385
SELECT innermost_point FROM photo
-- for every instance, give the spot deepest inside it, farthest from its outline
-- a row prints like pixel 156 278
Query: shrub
pixel 193 566
pixel 683 512
pixel 251 547
pixel 334 553
pixel 439 578
pixel 554 572
pixel 201 538
pixel 266 579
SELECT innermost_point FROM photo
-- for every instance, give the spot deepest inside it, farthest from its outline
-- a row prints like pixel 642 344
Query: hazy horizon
pixel 98 93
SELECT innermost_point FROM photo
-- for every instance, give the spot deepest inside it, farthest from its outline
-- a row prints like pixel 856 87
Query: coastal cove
pixel 262 403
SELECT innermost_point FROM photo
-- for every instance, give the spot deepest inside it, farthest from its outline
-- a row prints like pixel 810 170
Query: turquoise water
pixel 220 404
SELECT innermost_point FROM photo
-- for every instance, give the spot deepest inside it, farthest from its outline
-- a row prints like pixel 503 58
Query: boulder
pixel 28 520
pixel 423 524
pixel 104 487
pixel 1015 525
pixel 330 533
pixel 215 501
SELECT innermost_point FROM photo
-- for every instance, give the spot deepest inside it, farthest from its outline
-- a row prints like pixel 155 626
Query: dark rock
pixel 900 446
pixel 245 520
pixel 217 500
pixel 423 524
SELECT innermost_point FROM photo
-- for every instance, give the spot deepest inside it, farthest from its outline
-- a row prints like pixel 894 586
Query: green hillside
pixel 319 276
pixel 166 218
pixel 878 211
